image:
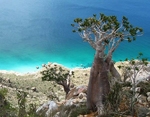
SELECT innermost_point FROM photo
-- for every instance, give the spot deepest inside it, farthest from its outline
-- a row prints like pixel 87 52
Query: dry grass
pixel 26 81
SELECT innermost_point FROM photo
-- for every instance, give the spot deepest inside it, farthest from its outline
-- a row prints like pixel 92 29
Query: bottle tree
pixel 104 34
pixel 58 74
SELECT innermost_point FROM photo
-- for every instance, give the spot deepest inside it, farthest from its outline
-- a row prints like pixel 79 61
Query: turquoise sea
pixel 33 32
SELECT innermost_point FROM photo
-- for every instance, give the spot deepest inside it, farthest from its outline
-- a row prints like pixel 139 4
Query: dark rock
pixel 143 111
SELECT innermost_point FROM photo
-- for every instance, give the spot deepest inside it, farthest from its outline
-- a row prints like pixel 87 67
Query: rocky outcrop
pixel 75 92
pixel 47 109
pixel 75 104
pixel 76 98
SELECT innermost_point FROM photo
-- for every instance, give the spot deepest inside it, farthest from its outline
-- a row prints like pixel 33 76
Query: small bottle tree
pixel 58 74
pixel 132 69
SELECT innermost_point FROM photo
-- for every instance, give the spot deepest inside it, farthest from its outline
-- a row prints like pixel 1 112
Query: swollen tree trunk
pixel 66 89
pixel 65 84
pixel 99 86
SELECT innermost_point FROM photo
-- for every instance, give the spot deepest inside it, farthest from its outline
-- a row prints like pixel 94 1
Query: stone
pixel 148 99
pixel 80 89
pixel 81 95
pixel 28 95
pixel 33 89
pixel 142 99
pixel 68 103
pixel 148 94
pixel 47 109
pixel 83 101
pixel 76 91
pixel 52 107
pixel 137 89
pixel 85 74
pixel 148 68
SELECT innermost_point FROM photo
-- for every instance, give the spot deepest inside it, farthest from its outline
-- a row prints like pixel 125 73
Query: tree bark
pixel 66 86
pixel 99 86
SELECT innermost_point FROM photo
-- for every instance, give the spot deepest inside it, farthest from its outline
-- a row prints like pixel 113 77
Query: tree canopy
pixel 106 32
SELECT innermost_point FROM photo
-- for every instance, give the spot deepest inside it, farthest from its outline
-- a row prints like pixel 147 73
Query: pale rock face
pixel 81 95
pixel 52 107
pixel 148 94
pixel 33 88
pixel 142 99
pixel 137 89
pixel 75 92
pixel 148 99
pixel 47 108
pixel 69 103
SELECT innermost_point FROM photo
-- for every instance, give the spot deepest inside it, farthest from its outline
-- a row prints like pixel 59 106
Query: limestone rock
pixel 142 99
pixel 47 109
pixel 148 99
pixel 81 95
pixel 69 102
pixel 76 91
pixel 33 89
pixel 137 89
pixel 148 94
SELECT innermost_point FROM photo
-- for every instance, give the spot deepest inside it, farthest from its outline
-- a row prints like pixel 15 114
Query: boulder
pixel 148 94
pixel 33 89
pixel 142 99
pixel 76 91
pixel 81 95
pixel 75 101
pixel 47 109
pixel 148 99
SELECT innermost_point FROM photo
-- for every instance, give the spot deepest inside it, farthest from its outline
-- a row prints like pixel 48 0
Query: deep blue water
pixel 33 32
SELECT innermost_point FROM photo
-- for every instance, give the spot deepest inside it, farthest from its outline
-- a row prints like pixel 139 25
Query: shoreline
pixel 34 70
pixel 18 73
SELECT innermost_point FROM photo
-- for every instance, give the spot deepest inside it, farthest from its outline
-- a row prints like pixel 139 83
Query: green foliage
pixel 134 64
pixel 131 70
pixel 3 92
pixel 82 110
pixel 21 96
pixel 145 87
pixel 32 111
pixel 114 97
pixel 73 111
pixel 106 24
pixel 55 72
pixel 6 109
pixel 58 74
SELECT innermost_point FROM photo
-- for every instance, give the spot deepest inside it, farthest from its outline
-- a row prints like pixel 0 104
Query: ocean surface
pixel 34 32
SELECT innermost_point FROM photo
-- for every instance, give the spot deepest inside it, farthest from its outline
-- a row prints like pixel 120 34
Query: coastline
pixel 34 70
